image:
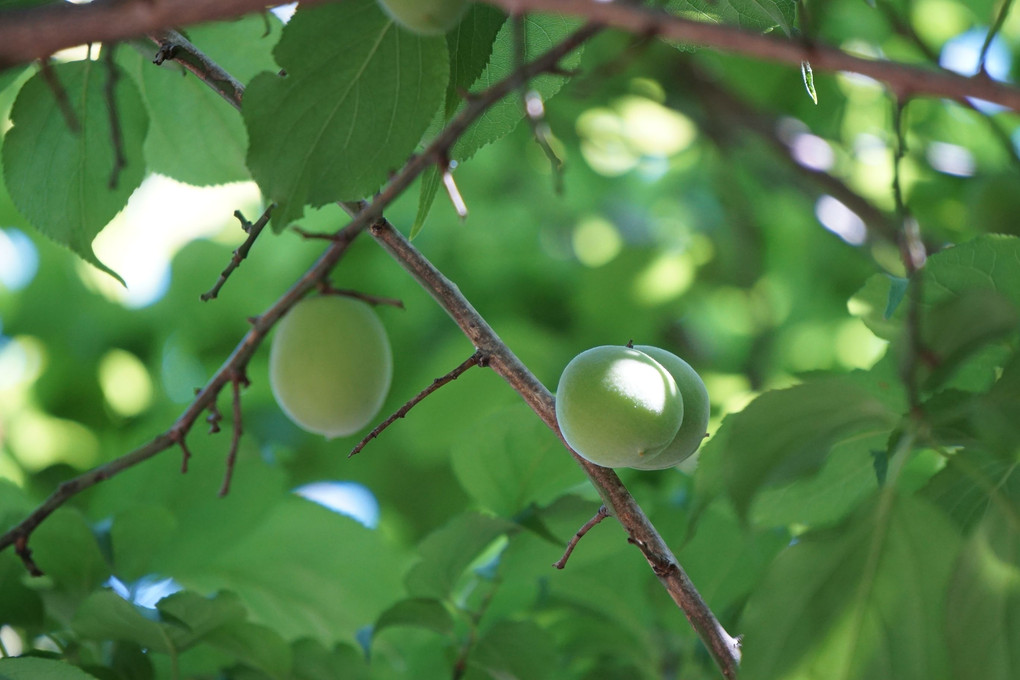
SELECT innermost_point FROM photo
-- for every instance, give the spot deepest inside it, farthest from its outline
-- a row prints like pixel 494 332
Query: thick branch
pixel 34 33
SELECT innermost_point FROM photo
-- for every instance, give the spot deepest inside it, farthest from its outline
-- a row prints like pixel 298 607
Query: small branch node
pixel 403 410
pixel 23 551
pixel 178 435
pixel 599 516
pixel 214 418
pixel 166 52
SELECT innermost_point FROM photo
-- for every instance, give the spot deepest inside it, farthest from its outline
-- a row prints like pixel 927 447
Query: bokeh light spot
pixel 125 382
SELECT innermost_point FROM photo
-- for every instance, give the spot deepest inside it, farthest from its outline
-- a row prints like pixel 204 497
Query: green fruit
pixel 616 405
pixel 330 365
pixel 425 17
pixel 696 410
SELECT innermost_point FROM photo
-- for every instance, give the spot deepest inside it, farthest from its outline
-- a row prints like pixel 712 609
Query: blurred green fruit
pixel 425 17
pixel 330 365
pixel 696 410
pixel 616 405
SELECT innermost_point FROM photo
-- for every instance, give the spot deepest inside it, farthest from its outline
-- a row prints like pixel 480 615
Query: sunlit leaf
pixel 864 601
pixel 447 552
pixel 347 112
pixel 421 612
pixel 76 170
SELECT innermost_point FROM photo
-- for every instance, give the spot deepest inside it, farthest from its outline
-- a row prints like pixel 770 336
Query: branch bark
pixel 723 647
pixel 35 33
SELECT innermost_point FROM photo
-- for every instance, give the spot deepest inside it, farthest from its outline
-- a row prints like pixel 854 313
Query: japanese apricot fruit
pixel 330 365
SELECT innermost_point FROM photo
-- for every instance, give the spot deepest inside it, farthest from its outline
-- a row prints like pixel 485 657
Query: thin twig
pixel 1000 19
pixel 326 288
pixel 179 437
pixel 237 380
pixel 534 107
pixel 253 230
pixel 116 132
pixel 599 516
pixel 472 360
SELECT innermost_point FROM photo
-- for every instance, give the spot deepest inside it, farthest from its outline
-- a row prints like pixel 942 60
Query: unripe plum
pixel 696 411
pixel 425 17
pixel 330 365
pixel 616 405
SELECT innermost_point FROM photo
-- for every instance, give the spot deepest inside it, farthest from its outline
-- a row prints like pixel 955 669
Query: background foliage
pixel 854 513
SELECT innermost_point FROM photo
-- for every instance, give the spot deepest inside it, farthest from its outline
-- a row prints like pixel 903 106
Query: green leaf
pixel 515 649
pixel 107 616
pixel 726 559
pixel 864 601
pixel 971 483
pixel 255 646
pixel 61 180
pixel 356 98
pixel 66 550
pixel 32 668
pixel 759 15
pixel 809 80
pixel 847 477
pixel 787 434
pixel 447 552
pixel 983 603
pixel 419 612
pixel 430 183
pixel 470 45
pixel 998 412
pixel 312 661
pixel 510 459
pixel 542 32
pixel 20 604
pixel 136 535
pixel 200 615
pixel 305 571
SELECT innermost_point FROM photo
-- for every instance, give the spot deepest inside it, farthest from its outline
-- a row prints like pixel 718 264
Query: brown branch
pixel 473 360
pixel 236 381
pixel 326 288
pixel 174 46
pixel 575 539
pixel 253 230
pixel 37 32
pixel 723 647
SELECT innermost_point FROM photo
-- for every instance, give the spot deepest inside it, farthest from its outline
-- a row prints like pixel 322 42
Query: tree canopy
pixel 814 204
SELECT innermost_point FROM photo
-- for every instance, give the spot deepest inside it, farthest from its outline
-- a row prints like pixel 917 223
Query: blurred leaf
pixel 847 476
pixel 305 571
pixel 997 413
pixel 107 616
pixel 509 459
pixel 256 646
pixel 983 602
pixel 787 434
pixel 419 612
pixel 760 15
pixel 726 559
pixel 200 615
pixel 66 550
pixel 447 552
pixel 19 605
pixel 876 304
pixel 138 534
pixel 312 661
pixel 971 483
pixel 515 649
pixel 349 110
pixel 29 668
pixel 43 156
pixel 542 32
pixel 864 601
pixel 956 328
